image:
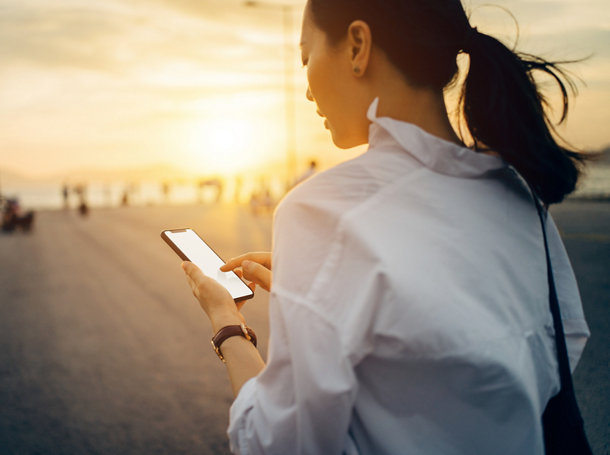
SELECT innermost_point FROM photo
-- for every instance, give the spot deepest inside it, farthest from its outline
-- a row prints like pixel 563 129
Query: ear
pixel 359 42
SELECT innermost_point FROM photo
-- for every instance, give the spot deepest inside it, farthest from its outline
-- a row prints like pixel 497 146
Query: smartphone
pixel 190 247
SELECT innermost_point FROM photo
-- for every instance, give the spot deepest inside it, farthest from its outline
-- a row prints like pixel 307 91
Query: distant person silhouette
pixel 165 190
pixel 81 193
pixel 65 193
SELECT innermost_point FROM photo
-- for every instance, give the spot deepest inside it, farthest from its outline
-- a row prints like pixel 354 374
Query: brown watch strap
pixel 231 331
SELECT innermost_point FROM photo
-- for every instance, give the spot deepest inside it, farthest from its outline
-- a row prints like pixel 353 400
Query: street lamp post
pixel 290 105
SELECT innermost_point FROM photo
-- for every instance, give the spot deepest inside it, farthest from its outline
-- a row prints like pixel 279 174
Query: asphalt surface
pixel 585 229
pixel 105 351
pixel 104 348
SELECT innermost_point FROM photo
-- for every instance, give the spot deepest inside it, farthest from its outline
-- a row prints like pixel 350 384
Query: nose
pixel 308 94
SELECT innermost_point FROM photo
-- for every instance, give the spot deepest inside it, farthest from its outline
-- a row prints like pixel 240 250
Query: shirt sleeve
pixel 302 401
pixel 572 315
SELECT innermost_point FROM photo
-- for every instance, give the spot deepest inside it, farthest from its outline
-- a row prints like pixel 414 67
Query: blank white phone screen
pixel 204 257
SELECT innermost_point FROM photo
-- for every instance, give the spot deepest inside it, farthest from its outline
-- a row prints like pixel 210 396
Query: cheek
pixel 321 82
pixel 332 97
pixel 312 81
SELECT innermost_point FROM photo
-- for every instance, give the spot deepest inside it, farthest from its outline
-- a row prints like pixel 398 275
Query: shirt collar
pixel 433 152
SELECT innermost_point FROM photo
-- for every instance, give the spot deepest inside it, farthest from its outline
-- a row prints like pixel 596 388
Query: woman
pixel 409 308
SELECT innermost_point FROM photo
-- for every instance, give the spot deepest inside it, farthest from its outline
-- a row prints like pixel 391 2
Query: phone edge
pixel 182 256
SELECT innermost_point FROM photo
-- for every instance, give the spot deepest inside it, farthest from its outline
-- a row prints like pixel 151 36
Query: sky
pixel 200 84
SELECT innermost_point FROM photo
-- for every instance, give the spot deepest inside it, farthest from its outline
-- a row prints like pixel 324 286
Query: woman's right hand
pixel 254 267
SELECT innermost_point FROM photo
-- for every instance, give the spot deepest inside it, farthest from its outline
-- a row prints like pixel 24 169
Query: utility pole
pixel 290 105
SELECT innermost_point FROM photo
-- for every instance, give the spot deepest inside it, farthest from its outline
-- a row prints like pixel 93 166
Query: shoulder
pixel 342 184
pixel 308 220
pixel 317 204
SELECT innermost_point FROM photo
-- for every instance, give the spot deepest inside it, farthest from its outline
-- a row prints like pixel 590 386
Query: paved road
pixel 585 229
pixel 104 348
pixel 105 351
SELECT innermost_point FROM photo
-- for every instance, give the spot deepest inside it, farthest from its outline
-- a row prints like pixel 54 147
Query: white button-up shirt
pixel 409 312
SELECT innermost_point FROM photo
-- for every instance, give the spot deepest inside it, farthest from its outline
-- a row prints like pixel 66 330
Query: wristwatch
pixel 231 331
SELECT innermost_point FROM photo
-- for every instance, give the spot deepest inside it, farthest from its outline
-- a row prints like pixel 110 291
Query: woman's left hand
pixel 213 297
pixel 242 358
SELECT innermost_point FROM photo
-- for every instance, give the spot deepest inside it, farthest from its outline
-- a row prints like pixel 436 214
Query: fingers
pixel 261 257
pixel 193 276
pixel 256 273
pixel 254 267
pixel 240 274
pixel 198 281
pixel 193 272
pixel 213 298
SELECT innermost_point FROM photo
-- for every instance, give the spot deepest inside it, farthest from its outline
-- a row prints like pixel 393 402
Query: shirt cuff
pixel 577 333
pixel 238 414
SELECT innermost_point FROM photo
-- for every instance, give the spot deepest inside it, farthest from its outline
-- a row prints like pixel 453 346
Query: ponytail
pixel 500 102
pixel 504 112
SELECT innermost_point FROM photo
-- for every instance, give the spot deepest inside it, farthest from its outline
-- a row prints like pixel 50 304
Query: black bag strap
pixel 567 386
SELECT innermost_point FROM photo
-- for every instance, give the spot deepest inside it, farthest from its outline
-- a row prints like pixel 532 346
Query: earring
pixel 356 70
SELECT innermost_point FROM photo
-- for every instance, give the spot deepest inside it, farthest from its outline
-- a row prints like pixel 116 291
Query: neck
pixel 424 108
pixel 400 100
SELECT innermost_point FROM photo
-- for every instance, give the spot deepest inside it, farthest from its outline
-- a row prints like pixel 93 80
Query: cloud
pixel 266 14
pixel 109 36
pixel 586 41
pixel 60 38
pixel 538 18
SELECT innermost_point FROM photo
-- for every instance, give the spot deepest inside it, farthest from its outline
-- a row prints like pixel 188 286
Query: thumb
pixel 257 273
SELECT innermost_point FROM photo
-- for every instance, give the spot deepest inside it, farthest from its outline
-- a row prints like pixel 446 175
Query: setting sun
pixel 223 145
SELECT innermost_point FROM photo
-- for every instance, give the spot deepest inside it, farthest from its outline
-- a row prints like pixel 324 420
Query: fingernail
pixel 183 265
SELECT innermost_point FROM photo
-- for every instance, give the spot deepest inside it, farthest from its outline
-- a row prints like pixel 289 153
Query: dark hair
pixel 500 103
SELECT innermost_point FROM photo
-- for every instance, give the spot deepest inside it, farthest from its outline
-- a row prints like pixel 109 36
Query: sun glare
pixel 224 146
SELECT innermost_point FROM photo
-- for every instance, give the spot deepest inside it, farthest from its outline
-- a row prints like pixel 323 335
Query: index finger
pixel 260 257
